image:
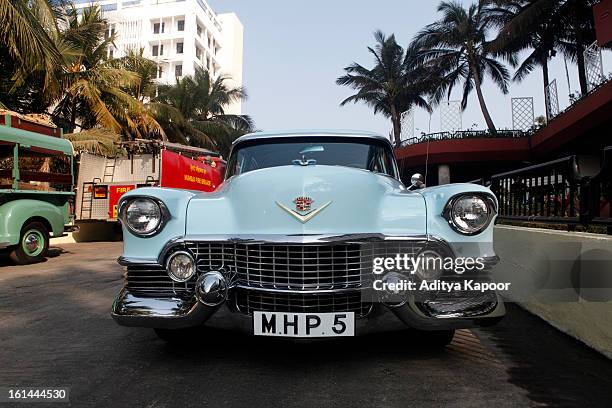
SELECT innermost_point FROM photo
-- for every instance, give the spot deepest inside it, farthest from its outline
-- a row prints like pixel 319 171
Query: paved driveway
pixel 55 330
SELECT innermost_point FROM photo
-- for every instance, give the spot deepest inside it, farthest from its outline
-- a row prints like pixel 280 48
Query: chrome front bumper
pixel 175 313
pixel 177 307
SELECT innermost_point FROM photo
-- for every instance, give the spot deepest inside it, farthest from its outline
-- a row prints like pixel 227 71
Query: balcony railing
pixel 464 134
pixel 556 193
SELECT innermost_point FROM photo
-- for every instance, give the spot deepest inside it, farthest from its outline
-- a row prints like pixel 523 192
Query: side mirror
pixel 416 182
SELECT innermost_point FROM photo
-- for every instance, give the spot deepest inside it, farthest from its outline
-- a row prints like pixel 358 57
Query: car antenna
pixel 427 154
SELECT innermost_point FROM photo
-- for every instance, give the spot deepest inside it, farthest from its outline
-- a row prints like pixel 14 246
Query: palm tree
pixel 144 88
pixel 95 89
pixel 456 47
pixel 525 25
pixel 394 85
pixel 201 100
pixel 577 17
pixel 97 141
pixel 28 30
pixel 544 26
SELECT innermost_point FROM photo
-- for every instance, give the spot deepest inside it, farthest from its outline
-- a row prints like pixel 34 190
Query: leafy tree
pixel 456 47
pixel 144 88
pixel 86 76
pixel 395 84
pixel 28 30
pixel 25 98
pixel 544 27
pixel 577 17
pixel 526 25
pixel 95 89
pixel 96 141
pixel 201 101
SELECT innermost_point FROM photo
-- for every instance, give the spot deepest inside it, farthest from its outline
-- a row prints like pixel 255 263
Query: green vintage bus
pixel 36 186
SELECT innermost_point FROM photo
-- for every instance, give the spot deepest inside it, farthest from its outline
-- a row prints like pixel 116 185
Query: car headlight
pixel 143 216
pixel 180 266
pixel 470 214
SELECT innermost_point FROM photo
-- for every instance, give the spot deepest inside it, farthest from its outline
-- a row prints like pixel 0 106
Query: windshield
pixel 367 154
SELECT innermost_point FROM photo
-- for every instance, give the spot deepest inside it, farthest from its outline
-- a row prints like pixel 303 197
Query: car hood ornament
pixel 303 208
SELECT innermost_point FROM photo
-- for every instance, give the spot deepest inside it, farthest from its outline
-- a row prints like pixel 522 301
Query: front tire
pixel 33 244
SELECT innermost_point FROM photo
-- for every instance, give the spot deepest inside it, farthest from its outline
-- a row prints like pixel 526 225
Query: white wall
pixel 563 277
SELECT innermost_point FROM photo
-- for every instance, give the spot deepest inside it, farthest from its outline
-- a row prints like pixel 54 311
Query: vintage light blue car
pixel 287 245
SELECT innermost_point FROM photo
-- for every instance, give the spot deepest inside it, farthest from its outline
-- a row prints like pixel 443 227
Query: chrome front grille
pixel 298 267
pixel 249 301
pixel 152 280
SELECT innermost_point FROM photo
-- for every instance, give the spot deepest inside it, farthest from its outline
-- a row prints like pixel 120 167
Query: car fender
pixel 147 249
pixel 14 214
pixel 436 199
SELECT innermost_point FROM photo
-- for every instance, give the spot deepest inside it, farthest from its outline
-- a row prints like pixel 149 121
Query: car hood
pixel 355 201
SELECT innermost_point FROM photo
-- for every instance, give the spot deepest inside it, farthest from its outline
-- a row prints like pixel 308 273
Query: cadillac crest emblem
pixel 302 203
pixel 303 208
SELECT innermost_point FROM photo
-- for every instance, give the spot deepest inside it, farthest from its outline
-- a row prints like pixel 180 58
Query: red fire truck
pixel 103 180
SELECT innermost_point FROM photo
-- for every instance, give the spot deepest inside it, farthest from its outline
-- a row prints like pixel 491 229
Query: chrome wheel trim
pixel 33 243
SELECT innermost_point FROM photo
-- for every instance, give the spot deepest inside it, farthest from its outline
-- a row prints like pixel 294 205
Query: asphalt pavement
pixel 56 331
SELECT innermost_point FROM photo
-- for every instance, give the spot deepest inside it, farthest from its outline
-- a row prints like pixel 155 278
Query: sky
pixel 294 51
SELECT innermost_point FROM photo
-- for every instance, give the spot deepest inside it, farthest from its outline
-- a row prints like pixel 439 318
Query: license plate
pixel 304 324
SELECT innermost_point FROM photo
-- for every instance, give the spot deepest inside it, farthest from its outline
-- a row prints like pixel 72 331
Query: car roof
pixel 22 137
pixel 310 133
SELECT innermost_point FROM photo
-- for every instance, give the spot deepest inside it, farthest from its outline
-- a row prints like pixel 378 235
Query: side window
pixel 44 171
pixel 6 166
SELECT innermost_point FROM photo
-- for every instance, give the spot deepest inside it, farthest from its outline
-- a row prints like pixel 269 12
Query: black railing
pixel 555 192
pixel 464 134
pixel 600 189
pixel 544 192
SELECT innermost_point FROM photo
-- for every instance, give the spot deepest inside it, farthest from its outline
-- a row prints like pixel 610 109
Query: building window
pixel 160 71
pixel 155 50
pixel 179 48
pixel 158 28
pixel 109 7
pixel 181 25
pixel 178 71
pixel 110 53
pixel 199 31
pixel 198 53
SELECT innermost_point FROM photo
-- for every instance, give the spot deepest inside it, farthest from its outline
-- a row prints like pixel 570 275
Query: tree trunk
pixel 581 69
pixel 546 82
pixel 73 116
pixel 481 101
pixel 396 120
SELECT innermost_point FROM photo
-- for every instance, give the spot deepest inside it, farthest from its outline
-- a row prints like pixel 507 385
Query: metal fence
pixel 544 192
pixel 600 189
pixel 593 66
pixel 523 117
pixel 551 100
pixel 464 134
pixel 555 192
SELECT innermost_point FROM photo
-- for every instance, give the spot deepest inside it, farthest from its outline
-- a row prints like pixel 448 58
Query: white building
pixel 179 35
